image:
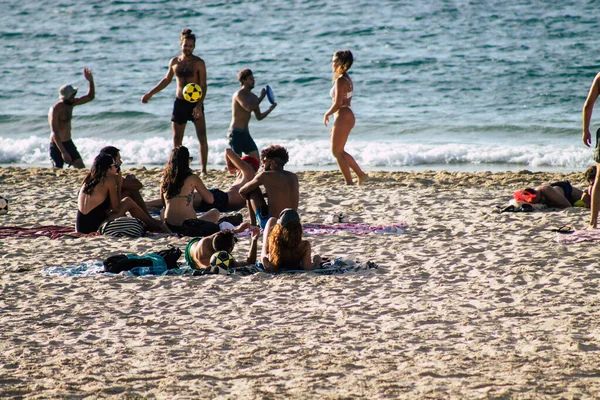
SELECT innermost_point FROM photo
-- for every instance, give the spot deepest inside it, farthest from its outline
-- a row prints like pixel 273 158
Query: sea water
pixel 461 85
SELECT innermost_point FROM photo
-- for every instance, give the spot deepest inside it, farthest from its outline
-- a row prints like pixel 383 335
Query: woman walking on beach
pixel 177 194
pixel 283 246
pixel 341 94
pixel 100 199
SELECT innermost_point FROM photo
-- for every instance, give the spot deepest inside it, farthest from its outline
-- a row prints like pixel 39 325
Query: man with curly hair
pixel 282 189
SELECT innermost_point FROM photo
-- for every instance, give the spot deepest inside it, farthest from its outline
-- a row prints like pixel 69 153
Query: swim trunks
pixel 56 155
pixel 195 227
pixel 221 202
pixel 262 221
pixel 183 111
pixel 567 188
pixel 188 256
pixel 241 141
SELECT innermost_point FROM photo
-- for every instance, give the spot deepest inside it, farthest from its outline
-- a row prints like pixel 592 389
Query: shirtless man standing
pixel 62 148
pixel 281 186
pixel 187 68
pixel 243 104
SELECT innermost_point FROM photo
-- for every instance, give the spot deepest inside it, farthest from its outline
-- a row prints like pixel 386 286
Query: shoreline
pixel 468 303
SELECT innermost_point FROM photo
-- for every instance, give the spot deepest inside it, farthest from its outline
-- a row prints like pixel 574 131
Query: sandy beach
pixel 467 303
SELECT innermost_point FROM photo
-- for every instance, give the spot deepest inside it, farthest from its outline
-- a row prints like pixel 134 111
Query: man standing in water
pixel 62 148
pixel 245 102
pixel 187 68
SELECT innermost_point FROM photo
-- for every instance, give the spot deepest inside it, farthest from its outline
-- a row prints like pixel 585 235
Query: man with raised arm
pixel 62 149
pixel 187 68
pixel 245 169
pixel 243 104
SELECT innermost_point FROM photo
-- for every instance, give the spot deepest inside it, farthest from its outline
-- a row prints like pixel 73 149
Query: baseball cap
pixel 288 215
pixel 252 161
pixel 66 92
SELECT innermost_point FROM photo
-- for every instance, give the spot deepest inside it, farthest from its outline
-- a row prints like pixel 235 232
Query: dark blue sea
pixel 461 85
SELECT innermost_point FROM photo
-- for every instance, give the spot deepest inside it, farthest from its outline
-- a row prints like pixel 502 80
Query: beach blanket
pixel 51 231
pixel 578 236
pixel 90 268
pixel 358 229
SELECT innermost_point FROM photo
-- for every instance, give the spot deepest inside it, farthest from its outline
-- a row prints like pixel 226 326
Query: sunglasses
pixel 191 159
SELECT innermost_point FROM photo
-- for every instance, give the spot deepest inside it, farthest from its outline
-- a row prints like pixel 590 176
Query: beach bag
pixel 123 226
pixel 171 256
pixel 156 263
pixel 151 263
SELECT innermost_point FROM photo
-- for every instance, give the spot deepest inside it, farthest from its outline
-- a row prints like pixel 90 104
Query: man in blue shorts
pixel 243 104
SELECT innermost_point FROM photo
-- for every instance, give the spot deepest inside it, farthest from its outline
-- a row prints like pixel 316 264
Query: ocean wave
pixel 33 151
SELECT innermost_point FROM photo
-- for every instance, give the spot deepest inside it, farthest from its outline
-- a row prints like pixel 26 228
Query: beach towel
pixel 578 236
pixel 336 266
pixel 358 229
pixel 51 231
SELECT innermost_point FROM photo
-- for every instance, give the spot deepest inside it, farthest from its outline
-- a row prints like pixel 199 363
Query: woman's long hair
pixel 284 242
pixel 176 171
pixel 102 163
pixel 344 59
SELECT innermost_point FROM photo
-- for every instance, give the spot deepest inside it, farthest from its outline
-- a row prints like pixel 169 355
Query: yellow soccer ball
pixel 221 259
pixel 3 205
pixel 192 92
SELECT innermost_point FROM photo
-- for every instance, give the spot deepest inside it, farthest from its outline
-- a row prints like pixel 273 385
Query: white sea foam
pixel 316 154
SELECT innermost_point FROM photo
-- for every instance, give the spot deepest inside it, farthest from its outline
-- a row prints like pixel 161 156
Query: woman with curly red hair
pixel 283 246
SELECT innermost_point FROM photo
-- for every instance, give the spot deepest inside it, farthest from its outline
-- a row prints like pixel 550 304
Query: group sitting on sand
pixel 101 200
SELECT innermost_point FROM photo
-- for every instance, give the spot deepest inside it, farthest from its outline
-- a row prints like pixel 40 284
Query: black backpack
pixel 120 262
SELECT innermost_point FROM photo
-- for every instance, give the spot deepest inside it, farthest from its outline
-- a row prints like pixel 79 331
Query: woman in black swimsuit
pixel 283 246
pixel 99 196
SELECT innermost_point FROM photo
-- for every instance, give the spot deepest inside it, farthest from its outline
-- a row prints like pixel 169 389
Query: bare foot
pixel 165 228
pixel 362 179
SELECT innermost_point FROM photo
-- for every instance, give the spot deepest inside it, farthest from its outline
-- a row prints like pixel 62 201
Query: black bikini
pixel 90 222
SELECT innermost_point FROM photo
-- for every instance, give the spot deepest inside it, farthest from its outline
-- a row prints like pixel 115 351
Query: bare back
pixel 181 207
pixel 282 190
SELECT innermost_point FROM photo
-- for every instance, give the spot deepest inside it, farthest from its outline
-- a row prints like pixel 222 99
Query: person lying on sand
pixel 199 250
pixel 556 195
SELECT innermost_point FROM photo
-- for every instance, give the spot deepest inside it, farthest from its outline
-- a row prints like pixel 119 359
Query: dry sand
pixel 469 303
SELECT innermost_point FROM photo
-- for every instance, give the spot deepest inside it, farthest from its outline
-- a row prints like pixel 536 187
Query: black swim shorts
pixel 56 155
pixel 183 111
pixel 221 202
pixel 241 141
